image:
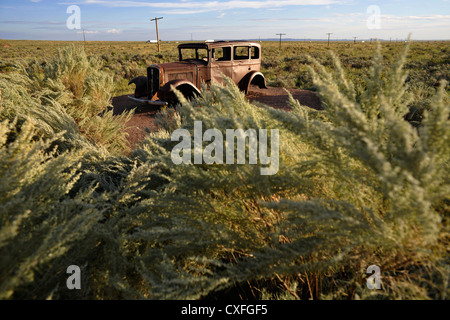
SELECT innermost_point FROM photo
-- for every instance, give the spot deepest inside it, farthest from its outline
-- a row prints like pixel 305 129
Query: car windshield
pixel 193 54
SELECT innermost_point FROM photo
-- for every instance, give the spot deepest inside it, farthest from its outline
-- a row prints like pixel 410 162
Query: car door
pixel 241 62
pixel 221 63
pixel 255 58
pixel 203 71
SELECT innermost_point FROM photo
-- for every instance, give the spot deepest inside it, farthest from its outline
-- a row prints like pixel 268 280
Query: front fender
pixel 187 88
pixel 141 86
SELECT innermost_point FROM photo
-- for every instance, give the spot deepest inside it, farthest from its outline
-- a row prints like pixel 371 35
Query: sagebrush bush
pixel 357 185
pixel 69 94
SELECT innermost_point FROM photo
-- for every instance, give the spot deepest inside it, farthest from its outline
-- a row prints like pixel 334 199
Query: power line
pixel 157 33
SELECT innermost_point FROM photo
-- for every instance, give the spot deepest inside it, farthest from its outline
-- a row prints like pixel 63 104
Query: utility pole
pixel 354 39
pixel 329 34
pixel 84 37
pixel 280 34
pixel 157 33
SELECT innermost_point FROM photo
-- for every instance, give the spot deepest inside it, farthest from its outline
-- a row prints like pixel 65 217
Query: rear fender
pixel 254 77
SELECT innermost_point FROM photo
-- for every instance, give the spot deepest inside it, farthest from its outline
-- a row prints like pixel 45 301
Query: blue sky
pixel 227 19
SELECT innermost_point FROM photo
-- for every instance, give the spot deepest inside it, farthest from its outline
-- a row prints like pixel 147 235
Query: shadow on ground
pixel 143 120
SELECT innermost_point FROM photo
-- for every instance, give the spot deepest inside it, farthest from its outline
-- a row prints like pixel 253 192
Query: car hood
pixel 180 65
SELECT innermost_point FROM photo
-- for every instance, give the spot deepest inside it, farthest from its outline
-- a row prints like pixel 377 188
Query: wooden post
pixel 157 32
pixel 280 34
pixel 329 33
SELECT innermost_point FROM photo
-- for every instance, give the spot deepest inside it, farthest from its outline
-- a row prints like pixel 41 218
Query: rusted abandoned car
pixel 201 63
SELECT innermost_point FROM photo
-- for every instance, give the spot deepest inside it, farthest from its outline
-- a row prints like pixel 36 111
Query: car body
pixel 201 63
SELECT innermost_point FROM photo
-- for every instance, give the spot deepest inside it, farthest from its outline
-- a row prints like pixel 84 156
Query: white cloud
pixel 292 19
pixel 115 31
pixel 435 17
pixel 190 7
pixel 88 32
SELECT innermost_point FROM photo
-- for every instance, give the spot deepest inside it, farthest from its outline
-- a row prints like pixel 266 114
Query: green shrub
pixel 357 185
pixel 69 94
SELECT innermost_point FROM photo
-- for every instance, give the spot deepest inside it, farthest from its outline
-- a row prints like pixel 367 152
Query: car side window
pixel 222 54
pixel 254 53
pixel 202 54
pixel 194 54
pixel 241 53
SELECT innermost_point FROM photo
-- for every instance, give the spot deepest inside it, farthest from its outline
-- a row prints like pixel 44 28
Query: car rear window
pixel 255 52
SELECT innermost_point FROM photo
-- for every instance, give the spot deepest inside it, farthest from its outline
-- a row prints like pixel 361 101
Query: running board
pixel 151 102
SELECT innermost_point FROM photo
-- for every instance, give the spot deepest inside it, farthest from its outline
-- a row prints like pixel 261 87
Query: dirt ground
pixel 143 119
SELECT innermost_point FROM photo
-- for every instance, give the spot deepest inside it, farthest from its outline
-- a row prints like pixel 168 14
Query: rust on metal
pixel 201 63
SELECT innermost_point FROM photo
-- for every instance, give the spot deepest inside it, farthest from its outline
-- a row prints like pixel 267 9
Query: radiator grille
pixel 153 81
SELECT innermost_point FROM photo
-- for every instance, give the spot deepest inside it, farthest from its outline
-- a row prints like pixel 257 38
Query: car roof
pixel 216 44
